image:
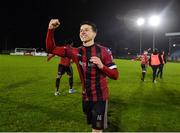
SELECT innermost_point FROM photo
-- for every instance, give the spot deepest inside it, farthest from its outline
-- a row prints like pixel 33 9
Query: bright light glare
pixel 140 21
pixel 154 20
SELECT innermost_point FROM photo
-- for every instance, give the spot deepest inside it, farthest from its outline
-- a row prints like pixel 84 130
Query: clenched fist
pixel 54 23
pixel 97 61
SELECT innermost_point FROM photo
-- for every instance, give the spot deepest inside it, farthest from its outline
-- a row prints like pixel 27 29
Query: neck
pixel 88 44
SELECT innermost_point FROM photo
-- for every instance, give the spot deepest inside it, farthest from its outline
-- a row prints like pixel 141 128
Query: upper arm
pixel 66 51
pixel 60 51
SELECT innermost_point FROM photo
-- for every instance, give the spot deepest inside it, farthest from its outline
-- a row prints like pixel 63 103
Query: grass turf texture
pixel 27 101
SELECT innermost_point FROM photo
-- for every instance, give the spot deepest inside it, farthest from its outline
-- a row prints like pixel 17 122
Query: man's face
pixel 86 33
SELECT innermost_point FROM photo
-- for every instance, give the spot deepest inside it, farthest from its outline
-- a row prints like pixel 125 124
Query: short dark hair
pixel 155 51
pixel 94 27
pixel 161 51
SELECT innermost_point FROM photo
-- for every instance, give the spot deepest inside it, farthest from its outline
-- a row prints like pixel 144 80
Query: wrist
pixel 50 27
pixel 101 66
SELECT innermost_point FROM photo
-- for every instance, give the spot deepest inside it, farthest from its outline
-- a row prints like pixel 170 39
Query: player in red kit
pixel 94 63
pixel 161 66
pixel 64 66
pixel 144 63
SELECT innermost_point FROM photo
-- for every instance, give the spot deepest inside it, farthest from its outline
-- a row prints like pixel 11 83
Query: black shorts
pixel 62 69
pixel 96 113
pixel 143 66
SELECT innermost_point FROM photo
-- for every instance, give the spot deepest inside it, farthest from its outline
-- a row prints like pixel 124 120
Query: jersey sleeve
pixel 63 51
pixel 109 68
pixel 108 59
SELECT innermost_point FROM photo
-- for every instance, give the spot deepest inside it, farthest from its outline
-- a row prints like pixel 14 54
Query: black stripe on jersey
pixel 97 81
pixel 80 61
pixel 110 64
pixel 88 73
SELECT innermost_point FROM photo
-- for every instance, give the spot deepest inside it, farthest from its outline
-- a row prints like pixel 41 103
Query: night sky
pixel 24 23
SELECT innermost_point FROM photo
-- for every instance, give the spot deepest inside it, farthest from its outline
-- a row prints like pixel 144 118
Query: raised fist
pixel 54 23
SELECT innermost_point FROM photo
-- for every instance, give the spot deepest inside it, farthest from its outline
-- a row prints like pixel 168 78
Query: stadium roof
pixel 173 34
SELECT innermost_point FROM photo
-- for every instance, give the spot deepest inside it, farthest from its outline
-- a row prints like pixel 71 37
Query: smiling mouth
pixel 84 36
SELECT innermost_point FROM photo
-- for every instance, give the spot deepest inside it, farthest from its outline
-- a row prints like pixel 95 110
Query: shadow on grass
pixel 116 105
pixel 11 86
pixel 172 95
pixel 51 113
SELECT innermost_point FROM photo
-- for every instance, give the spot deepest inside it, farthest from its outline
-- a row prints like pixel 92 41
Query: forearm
pixel 138 58
pixel 50 43
pixel 51 46
pixel 50 56
pixel 111 73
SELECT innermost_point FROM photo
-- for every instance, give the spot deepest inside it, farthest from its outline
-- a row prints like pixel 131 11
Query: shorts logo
pixel 99 117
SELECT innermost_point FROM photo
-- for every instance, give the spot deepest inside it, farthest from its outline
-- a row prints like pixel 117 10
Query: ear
pixel 95 34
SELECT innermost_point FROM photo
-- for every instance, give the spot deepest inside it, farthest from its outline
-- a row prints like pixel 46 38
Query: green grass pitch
pixel 28 104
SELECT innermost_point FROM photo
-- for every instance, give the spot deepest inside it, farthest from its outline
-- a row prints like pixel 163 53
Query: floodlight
pixel 174 45
pixel 140 21
pixel 154 20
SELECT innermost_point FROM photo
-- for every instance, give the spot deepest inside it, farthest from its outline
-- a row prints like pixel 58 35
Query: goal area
pixel 25 51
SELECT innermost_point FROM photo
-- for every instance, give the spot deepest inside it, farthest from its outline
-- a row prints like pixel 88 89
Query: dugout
pixel 174 46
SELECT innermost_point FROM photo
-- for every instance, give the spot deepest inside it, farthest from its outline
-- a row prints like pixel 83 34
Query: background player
pixel 63 66
pixel 144 63
pixel 161 66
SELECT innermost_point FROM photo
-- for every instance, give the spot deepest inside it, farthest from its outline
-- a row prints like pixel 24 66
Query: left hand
pixel 96 60
pixel 50 56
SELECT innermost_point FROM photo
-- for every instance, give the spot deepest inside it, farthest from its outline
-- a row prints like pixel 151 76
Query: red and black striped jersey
pixel 144 59
pixel 94 82
pixel 65 61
